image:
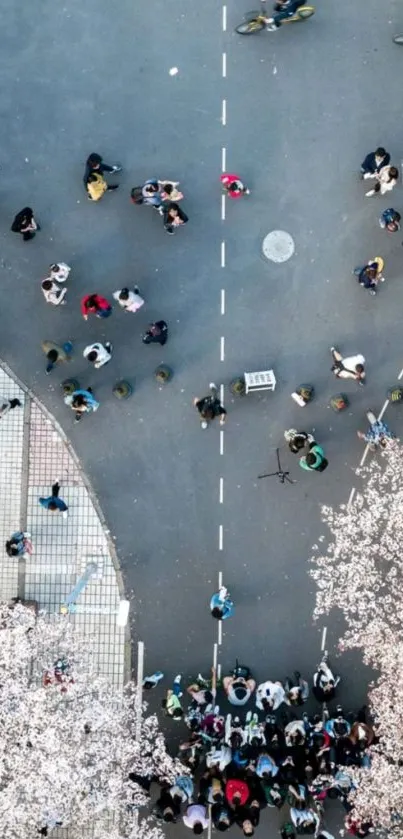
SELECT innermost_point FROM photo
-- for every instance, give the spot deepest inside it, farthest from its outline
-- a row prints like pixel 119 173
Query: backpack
pixel 136 195
pixel 97 186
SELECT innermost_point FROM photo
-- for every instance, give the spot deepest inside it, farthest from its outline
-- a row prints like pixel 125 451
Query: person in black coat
pixel 96 165
pixel 373 163
pixel 157 333
pixel 173 216
pixel 25 224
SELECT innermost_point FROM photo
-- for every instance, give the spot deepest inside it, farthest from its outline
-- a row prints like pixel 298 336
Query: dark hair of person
pixel 222 826
pixel 92 356
pixel 124 294
pixel 91 302
pixel 78 400
pixel 168 815
pixel 54 267
pixel 198 828
pixel 393 172
pixel 47 284
pixel 217 796
pixel 359 368
pixel 178 712
pixel 310 459
pixel 52 355
pixel 168 188
pixel 11 548
pixel 380 152
pixel 208 696
pixel 216 612
pixel 52 505
pixel 94 159
pixel 163 703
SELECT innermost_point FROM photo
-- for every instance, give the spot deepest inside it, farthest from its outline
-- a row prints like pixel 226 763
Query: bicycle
pixel 256 21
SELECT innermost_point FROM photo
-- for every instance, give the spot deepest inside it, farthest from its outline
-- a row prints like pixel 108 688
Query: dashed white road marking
pixel 224 112
pixel 220 537
pixel 222 254
pixel 222 394
pixel 224 161
pixel 221 441
pixel 223 208
pixel 219 633
pixel 222 348
pixel 219 579
pixel 224 65
pixel 221 490
pixel 351 497
pixel 324 633
pixel 223 301
pixel 224 18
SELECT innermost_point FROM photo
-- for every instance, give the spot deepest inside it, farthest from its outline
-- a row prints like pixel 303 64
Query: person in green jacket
pixel 315 460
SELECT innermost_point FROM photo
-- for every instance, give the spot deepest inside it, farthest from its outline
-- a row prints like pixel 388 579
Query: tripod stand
pixel 280 474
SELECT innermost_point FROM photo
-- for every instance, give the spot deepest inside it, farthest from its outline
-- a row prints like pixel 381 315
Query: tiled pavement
pixel 33 454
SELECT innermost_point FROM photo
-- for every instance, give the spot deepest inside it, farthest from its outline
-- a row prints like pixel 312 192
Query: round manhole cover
pixel 278 246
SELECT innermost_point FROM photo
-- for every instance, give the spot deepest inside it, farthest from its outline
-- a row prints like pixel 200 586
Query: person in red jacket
pixel 234 186
pixel 236 793
pixel 94 304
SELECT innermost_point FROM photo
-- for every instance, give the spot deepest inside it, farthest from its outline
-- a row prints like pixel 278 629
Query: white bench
pixel 262 380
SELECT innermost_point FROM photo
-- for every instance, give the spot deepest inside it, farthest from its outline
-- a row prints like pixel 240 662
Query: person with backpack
pixel 210 407
pixel 315 460
pixel 370 274
pixel 348 368
pixel 233 186
pixel 95 304
pixel 390 220
pixel 94 180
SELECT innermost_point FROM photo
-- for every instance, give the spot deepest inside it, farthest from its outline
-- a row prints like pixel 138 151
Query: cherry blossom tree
pixel 361 573
pixel 69 754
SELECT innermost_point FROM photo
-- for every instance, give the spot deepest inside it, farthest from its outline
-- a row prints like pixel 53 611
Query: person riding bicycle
pixel 283 9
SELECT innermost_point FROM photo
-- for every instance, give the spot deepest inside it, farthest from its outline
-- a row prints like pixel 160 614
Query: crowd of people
pixel 274 754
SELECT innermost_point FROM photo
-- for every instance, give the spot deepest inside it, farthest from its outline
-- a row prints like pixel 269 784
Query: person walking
pixel 156 333
pixel 98 354
pixel 53 293
pixel 221 605
pixel 169 191
pixel 19 544
pixel 53 502
pixel 196 817
pixel 386 179
pixel 95 304
pixel 24 223
pixel 210 407
pixel 94 180
pixel 7 405
pixel 373 163
pixel 390 220
pixel 315 460
pixel 59 271
pixel 172 703
pixel 81 402
pixel 370 274
pixel 351 367
pixel 130 301
pixel 233 186
pixel 56 354
pixel 297 440
pixel 173 216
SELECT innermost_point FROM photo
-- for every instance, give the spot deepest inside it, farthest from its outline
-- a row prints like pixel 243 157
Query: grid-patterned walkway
pixel 33 454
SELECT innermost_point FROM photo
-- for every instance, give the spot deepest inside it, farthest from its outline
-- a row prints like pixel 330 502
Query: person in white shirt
pixel 351 367
pixel 59 271
pixel 98 354
pixel 386 179
pixel 196 818
pixel 269 696
pixel 130 301
pixel 53 293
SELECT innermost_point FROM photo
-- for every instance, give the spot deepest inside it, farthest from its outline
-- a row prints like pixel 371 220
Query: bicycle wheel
pixel 305 12
pixel 251 26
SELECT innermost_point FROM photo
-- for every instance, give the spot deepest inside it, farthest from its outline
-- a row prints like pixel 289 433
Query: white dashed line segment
pixel 220 537
pixel 221 490
pixel 224 112
pixel 324 633
pixel 224 65
pixel 223 208
pixel 221 441
pixel 224 163
pixel 222 394
pixel 224 18
pixel 223 301
pixel 222 348
pixel 222 254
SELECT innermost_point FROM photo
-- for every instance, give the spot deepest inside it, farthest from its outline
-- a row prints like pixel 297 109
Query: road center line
pixel 224 112
pixel 219 579
pixel 224 18
pixel 221 441
pixel 222 254
pixel 223 301
pixel 224 65
pixel 222 394
pixel 324 633
pixel 223 208
pixel 222 348
pixel 224 163
pixel 220 537
pixel 221 490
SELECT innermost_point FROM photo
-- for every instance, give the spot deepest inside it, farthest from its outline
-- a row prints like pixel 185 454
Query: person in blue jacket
pixel 53 503
pixel 372 165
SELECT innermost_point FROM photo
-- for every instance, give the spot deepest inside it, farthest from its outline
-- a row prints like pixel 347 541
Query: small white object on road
pixel 173 71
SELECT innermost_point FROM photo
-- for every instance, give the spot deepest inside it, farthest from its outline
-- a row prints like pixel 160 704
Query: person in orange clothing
pixel 233 186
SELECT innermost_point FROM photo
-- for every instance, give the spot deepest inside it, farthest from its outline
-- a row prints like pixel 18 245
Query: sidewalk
pixel 33 453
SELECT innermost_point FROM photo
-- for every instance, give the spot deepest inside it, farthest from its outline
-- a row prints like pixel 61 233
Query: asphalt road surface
pixel 302 107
